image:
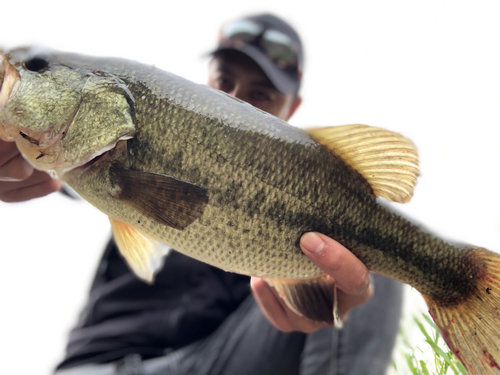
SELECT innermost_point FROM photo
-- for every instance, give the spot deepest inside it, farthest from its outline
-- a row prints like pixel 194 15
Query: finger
pixel 15 169
pixel 7 151
pixel 350 274
pixel 269 304
pixel 276 311
pixel 38 185
pixel 31 192
pixel 36 177
pixel 346 302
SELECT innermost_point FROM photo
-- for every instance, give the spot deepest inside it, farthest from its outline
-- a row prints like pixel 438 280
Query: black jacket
pixel 124 315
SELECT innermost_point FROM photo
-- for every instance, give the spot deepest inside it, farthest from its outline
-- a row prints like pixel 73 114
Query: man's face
pixel 238 75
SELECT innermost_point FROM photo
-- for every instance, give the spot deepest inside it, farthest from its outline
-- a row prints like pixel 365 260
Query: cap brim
pixel 284 82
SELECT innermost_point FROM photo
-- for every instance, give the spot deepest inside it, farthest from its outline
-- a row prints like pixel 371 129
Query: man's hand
pixel 18 180
pixel 351 276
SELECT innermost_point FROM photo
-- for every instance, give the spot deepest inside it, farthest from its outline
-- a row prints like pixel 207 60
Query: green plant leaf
pixel 445 362
pixel 431 322
pixel 409 361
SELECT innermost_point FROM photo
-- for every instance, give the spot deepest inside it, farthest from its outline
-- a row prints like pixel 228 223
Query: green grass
pixel 444 361
pixel 420 349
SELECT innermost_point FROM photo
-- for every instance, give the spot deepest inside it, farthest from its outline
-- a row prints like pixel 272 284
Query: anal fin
pixel 315 299
pixel 143 255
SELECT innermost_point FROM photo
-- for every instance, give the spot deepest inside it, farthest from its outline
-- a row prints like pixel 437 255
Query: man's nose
pixel 237 92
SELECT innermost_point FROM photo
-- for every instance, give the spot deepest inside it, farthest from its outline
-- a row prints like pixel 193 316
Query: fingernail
pixel 312 243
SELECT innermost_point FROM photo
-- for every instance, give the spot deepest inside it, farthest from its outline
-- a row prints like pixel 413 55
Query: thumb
pixel 350 274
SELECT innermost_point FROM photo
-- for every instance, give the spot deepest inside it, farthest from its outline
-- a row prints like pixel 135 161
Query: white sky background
pixel 426 69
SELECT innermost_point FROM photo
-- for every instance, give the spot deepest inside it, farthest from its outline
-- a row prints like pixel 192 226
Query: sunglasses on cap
pixel 278 46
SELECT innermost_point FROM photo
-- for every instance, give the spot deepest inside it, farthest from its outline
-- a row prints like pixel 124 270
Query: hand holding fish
pixel 19 181
pixel 351 275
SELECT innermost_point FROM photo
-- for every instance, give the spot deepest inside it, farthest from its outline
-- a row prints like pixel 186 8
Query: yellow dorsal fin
pixel 143 255
pixel 387 160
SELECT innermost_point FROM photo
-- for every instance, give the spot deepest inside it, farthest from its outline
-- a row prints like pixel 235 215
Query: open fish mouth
pixel 36 143
pixel 44 153
pixel 9 83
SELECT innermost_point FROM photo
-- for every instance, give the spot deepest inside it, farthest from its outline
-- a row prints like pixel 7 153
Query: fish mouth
pixel 44 157
pixel 9 83
pixel 43 153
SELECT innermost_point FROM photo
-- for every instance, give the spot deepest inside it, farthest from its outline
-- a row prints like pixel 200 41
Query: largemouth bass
pixel 174 162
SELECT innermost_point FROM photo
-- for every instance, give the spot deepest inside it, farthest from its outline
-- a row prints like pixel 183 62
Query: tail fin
pixel 472 328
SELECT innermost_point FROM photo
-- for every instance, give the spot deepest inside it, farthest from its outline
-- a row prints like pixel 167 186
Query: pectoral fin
pixel 163 198
pixel 387 160
pixel 315 299
pixel 143 255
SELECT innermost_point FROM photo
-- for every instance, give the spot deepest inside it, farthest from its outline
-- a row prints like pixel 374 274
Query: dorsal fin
pixel 387 160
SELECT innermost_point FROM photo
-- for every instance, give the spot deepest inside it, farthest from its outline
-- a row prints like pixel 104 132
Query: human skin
pixel 19 181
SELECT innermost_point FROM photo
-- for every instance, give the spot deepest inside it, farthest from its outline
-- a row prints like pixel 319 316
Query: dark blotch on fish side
pixel 453 284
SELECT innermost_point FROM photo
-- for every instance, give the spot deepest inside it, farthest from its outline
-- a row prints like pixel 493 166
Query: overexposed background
pixel 428 69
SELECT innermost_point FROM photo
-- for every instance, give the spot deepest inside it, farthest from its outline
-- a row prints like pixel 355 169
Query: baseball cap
pixel 272 43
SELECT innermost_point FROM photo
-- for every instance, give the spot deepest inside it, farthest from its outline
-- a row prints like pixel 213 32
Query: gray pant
pixel 247 344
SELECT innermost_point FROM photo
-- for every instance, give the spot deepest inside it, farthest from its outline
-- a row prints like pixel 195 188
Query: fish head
pixel 61 109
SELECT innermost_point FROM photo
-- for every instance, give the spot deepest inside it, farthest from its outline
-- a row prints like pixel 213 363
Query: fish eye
pixel 36 64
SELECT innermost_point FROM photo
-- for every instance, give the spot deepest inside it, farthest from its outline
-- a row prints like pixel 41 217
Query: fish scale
pixel 172 161
pixel 293 180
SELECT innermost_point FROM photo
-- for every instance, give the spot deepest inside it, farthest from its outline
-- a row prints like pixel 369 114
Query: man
pixel 197 319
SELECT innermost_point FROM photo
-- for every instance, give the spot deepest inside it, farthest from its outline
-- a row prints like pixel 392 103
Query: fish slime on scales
pixel 184 165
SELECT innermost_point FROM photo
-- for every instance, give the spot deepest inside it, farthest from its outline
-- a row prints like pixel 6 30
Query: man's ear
pixel 294 107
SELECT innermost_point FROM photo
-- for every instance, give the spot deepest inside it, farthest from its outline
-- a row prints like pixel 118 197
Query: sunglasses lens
pixel 280 48
pixel 244 30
